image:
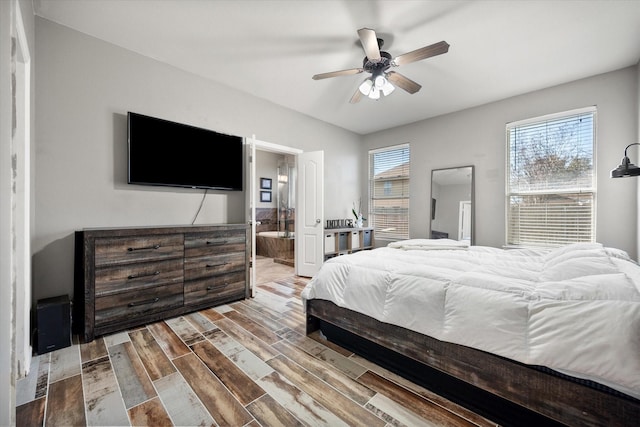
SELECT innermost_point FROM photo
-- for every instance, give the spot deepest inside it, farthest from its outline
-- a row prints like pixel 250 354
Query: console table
pixel 126 277
pixel 341 241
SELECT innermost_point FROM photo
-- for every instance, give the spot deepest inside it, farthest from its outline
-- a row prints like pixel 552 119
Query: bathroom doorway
pixel 263 198
pixel 275 213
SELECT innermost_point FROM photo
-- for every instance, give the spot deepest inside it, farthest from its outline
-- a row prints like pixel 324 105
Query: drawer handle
pixel 216 265
pixel 216 243
pixel 149 301
pixel 210 288
pixel 137 276
pixel 144 248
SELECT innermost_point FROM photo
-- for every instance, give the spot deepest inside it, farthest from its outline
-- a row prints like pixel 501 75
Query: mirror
pixel 452 204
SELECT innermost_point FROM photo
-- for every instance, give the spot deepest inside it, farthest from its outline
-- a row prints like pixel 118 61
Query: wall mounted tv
pixel 161 152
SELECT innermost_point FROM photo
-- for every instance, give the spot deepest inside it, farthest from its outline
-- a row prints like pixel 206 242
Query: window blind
pixel 389 191
pixel 551 181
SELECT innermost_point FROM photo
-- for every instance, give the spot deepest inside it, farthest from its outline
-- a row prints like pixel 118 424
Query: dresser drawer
pixel 138 276
pixel 215 242
pixel 124 250
pixel 210 265
pixel 127 305
pixel 215 288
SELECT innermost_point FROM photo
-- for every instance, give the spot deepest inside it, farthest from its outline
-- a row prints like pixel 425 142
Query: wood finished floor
pixel 247 363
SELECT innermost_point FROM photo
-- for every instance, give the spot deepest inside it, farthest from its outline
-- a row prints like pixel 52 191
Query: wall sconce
pixel 626 168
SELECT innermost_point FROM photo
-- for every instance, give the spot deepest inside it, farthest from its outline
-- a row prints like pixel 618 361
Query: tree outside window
pixel 551 181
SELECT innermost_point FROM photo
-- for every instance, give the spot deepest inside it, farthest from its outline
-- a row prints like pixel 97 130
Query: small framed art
pixel 265 183
pixel 265 196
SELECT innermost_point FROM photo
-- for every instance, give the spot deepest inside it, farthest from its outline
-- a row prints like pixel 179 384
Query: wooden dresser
pixel 126 277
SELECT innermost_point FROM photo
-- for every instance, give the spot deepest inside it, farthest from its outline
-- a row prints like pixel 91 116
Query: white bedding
pixel 575 309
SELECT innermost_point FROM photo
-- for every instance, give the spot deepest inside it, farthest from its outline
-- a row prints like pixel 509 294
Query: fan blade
pixel 422 53
pixel 403 82
pixel 338 73
pixel 356 97
pixel 369 44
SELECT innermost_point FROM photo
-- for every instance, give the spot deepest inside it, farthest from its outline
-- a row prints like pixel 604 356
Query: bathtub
pixel 273 244
pixel 275 234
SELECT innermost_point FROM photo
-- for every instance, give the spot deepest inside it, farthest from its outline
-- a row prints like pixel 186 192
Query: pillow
pixel 570 248
pixel 412 244
pixel 618 253
pixel 578 267
pixel 574 254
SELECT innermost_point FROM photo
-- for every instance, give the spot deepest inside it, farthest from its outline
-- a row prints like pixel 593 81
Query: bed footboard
pixel 492 386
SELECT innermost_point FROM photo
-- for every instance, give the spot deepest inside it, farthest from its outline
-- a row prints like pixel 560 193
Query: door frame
pixel 465 208
pixel 252 195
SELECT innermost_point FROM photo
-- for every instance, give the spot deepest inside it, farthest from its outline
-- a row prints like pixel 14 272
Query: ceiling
pixel 271 48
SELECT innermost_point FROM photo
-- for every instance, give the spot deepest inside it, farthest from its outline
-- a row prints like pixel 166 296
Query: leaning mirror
pixel 452 204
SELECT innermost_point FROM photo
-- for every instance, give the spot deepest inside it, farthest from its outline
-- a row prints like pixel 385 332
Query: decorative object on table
pixel 357 213
pixel 339 223
pixel 265 184
pixel 626 168
pixel 265 196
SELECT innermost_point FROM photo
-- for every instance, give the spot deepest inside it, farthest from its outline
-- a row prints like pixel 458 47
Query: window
pixel 389 192
pixel 551 182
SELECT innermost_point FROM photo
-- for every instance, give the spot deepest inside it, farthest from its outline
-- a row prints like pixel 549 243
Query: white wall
pixel 476 136
pixel 84 89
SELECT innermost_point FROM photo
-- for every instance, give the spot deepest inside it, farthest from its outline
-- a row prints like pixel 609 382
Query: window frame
pixel 577 190
pixel 378 233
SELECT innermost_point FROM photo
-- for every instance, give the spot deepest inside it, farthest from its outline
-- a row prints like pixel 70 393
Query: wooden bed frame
pixel 500 389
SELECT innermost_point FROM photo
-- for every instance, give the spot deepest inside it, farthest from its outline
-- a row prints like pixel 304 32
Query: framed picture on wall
pixel 265 184
pixel 265 196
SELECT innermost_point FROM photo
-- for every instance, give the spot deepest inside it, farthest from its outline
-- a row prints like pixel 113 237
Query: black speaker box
pixel 53 320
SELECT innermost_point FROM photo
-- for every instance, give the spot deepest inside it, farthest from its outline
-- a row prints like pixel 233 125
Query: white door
pixel 464 221
pixel 250 152
pixel 310 213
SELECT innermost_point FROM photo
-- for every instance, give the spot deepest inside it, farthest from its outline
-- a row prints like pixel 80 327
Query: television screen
pixel 166 153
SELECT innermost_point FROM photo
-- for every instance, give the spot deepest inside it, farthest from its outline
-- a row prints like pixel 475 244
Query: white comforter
pixel 575 309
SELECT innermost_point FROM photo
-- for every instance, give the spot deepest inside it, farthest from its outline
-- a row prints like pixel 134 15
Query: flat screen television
pixel 162 152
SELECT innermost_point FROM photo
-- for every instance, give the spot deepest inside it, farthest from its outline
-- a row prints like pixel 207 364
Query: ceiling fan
pixel 377 63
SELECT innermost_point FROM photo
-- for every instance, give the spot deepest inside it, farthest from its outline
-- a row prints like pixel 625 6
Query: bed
pixel 520 336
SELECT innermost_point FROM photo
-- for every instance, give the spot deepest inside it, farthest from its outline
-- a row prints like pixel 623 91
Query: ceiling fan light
pixel 374 94
pixel 365 87
pixel 380 81
pixel 388 88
